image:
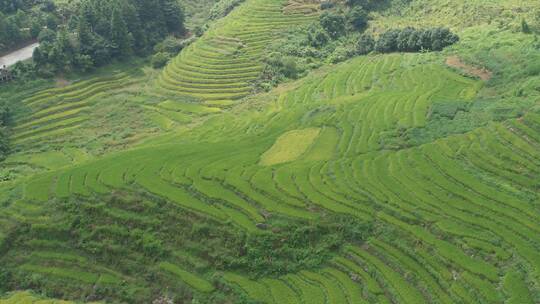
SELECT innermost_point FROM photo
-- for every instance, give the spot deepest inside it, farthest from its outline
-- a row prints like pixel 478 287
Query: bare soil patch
pixel 482 73
pixel 62 82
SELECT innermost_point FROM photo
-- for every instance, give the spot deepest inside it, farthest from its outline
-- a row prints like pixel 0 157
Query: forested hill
pixel 274 151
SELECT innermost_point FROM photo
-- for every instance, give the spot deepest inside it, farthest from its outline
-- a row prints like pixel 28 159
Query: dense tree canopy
pixel 333 23
pixel 104 29
pixel 414 40
pixel 22 20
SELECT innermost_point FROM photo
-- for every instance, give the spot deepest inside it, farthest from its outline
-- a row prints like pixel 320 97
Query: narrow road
pixel 18 55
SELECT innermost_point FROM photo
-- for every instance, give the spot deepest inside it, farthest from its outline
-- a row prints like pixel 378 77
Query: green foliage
pixel 333 23
pixel 317 36
pixel 516 287
pixel 18 25
pixel 99 31
pixel 130 233
pixel 167 49
pixel 525 28
pixel 341 53
pixel 362 3
pixel 5 119
pixel 277 68
pixel 173 45
pixel 330 39
pixel 289 247
pixel 160 59
pixel 415 40
pixel 120 38
pixel 366 44
pixel 223 7
pixel 358 18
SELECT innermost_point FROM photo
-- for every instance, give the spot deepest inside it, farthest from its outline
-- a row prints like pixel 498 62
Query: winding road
pixel 18 55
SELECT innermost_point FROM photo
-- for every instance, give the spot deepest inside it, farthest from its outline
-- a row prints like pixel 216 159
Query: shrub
pixel 525 28
pixel 317 36
pixel 327 5
pixel 340 54
pixel 366 44
pixel 387 42
pixel 289 67
pixel 170 44
pixel 223 8
pixel 160 59
pixel 84 62
pixel 46 35
pixel 414 40
pixel 4 143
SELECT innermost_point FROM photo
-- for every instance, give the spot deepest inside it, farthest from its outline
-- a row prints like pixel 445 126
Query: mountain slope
pixel 393 178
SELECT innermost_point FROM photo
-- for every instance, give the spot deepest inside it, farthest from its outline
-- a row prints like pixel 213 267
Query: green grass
pixel 26 297
pixel 68 274
pixel 255 290
pixel 187 277
pixel 289 146
pixel 188 108
pixel 516 288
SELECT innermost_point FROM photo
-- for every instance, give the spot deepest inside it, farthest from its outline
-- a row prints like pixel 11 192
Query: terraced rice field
pixel 58 111
pixel 478 190
pixel 457 217
pixel 29 298
pixel 219 67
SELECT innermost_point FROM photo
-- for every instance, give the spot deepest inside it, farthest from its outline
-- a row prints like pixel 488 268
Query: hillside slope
pixel 395 178
pixel 218 68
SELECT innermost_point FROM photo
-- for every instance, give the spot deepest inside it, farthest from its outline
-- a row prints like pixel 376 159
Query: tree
pixel 369 4
pixel 12 31
pixel 46 36
pixel 35 29
pixel 101 51
pixel 333 23
pixel 387 42
pixel 413 40
pixel 84 33
pixel 62 54
pixel 5 116
pixel 131 16
pixel 97 31
pixel 317 36
pixel 38 57
pixel 441 38
pixel 525 28
pixel 404 42
pixel 4 144
pixel 366 44
pixel 120 37
pixel 160 59
pixel 289 68
pixel 51 22
pixel 84 62
pixel 174 16
pixel 48 6
pixel 536 24
pixel 358 18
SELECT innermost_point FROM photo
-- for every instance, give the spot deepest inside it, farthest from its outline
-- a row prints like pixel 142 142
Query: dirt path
pixel 482 73
pixel 18 55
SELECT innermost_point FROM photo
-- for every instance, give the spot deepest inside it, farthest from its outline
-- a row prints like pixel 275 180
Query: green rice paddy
pixel 456 213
